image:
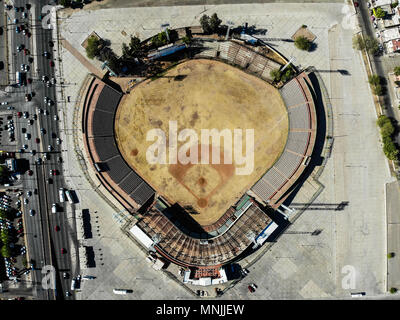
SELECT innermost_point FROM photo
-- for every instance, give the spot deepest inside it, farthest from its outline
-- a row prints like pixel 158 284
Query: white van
pixel 120 291
pixel 61 194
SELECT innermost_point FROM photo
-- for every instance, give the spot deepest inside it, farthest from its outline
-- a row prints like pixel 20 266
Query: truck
pixel 61 194
pixel 120 291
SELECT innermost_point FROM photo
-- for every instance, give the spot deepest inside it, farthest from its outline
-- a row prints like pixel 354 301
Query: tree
pixel 187 40
pixel 5 251
pixel 374 79
pixel 66 3
pixel 382 120
pixel 358 42
pixel 205 24
pixel 302 43
pixel 380 13
pixel 372 45
pixel 397 71
pixel 93 47
pixel 393 290
pixel 276 75
pixel 135 46
pixel 160 39
pixel 387 130
pixel 215 22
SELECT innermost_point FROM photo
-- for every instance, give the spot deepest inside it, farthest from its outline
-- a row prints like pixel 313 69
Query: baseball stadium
pixel 202 216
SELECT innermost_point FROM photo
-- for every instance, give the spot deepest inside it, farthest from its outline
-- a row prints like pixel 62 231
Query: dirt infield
pixel 206 95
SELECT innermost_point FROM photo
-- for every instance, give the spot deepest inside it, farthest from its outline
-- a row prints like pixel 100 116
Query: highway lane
pixel 44 243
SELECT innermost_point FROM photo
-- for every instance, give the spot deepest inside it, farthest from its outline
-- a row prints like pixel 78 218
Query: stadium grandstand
pixel 246 223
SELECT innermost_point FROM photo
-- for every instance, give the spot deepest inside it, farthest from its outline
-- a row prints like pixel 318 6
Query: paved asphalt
pixel 43 241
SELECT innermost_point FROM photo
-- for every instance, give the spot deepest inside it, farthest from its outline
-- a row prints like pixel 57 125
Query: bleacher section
pixel 188 251
pixel 240 55
pixel 99 112
pixel 302 126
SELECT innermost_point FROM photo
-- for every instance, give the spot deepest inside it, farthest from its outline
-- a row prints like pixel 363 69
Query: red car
pixel 54 172
pixel 26 51
pixel 30 172
pixel 19 114
pixel 37 140
pixel 29 80
pixel 63 251
pixel 51 63
pixel 57 228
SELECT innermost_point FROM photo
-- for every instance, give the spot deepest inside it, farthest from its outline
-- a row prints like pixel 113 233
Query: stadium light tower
pixel 230 24
pixel 292 59
pixel 164 27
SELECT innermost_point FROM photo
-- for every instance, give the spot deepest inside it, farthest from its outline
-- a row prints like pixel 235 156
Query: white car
pixel 58 141
pixel 4 103
pixel 55 117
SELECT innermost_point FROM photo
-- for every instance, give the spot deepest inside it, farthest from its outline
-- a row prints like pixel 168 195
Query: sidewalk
pixel 393 239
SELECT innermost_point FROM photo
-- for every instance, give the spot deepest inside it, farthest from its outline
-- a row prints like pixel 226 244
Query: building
pixel 393 46
pixel 394 20
pixel 381 4
pixel 390 34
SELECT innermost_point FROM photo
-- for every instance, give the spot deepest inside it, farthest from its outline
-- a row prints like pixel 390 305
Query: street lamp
pixel 164 27
pixel 230 24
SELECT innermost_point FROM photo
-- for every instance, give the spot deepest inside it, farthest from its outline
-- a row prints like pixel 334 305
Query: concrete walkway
pixel 85 62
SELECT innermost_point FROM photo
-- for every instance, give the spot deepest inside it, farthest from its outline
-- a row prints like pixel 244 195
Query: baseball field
pixel 202 94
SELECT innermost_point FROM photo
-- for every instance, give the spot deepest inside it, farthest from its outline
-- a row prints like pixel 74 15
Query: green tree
pixel 374 79
pixel 6 251
pixel 215 22
pixel 135 46
pixel 187 40
pixel 387 130
pixel 372 45
pixel 205 24
pixel 358 42
pixel 302 43
pixel 397 71
pixel 66 3
pixel 160 39
pixel 93 47
pixel 382 120
pixel 275 74
pixel 380 13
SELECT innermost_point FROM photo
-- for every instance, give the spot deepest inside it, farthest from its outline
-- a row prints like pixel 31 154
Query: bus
pixel 69 196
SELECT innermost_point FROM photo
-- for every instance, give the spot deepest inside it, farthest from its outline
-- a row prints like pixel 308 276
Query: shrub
pixel 302 43
pixel 358 42
pixel 397 71
pixel 393 290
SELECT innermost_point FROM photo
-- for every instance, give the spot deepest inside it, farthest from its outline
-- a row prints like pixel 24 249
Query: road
pixel 381 64
pixel 44 243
